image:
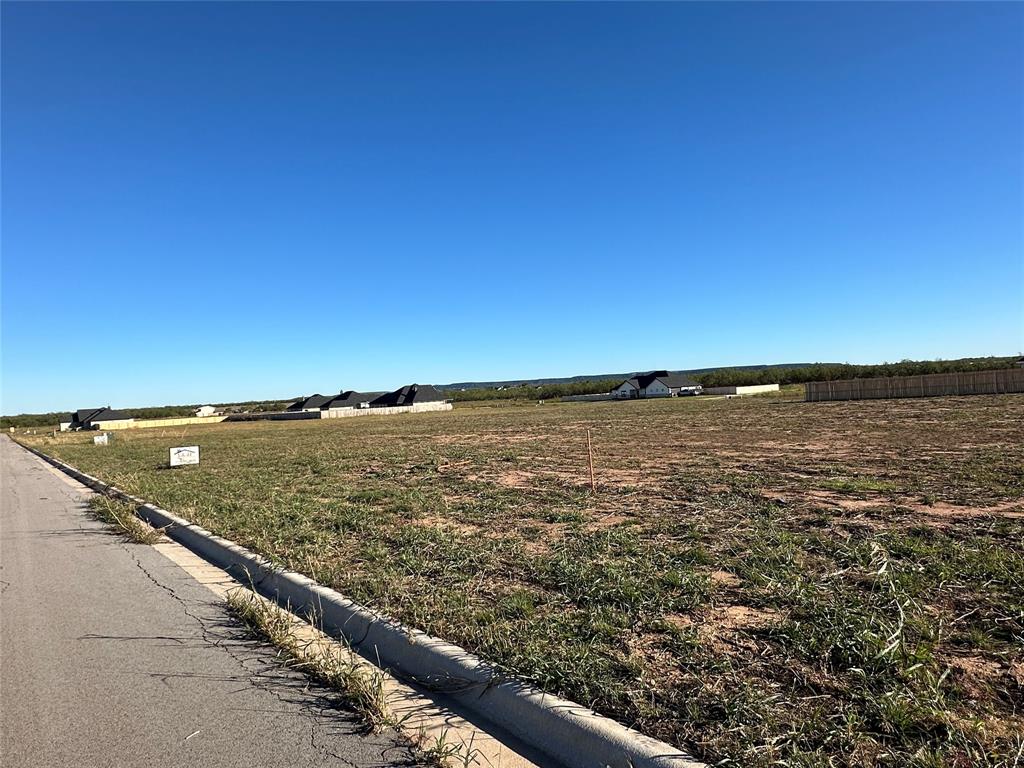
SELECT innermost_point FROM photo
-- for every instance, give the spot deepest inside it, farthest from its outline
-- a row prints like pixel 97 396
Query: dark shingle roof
pixel 313 401
pixel 88 415
pixel 109 414
pixel 410 394
pixel 670 380
pixel 82 415
pixel 674 380
pixel 643 380
pixel 352 399
pixel 646 379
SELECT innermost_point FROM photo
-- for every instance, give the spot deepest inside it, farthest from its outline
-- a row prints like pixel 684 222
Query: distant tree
pixel 831 372
pixel 534 391
pixel 152 412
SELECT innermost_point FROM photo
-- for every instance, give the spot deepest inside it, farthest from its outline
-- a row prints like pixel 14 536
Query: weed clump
pixel 361 686
pixel 121 515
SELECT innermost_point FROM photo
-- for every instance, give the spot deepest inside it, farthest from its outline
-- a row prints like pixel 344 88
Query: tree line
pixel 732 377
pixel 737 377
pixel 535 392
pixel 153 412
pixel 723 377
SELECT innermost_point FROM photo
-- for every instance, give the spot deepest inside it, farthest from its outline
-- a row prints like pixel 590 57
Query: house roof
pixel 675 380
pixel 643 380
pixel 82 415
pixel 87 415
pixel 410 394
pixel 313 401
pixel 351 399
pixel 670 380
pixel 646 379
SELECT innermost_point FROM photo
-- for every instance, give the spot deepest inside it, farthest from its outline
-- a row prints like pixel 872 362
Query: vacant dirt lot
pixel 759 580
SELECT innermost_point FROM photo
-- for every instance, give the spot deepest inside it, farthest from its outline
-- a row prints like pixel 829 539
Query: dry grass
pixel 440 752
pixel 121 515
pixel 361 686
pixel 766 582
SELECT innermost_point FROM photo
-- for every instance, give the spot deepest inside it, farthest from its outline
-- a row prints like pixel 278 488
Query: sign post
pixel 185 455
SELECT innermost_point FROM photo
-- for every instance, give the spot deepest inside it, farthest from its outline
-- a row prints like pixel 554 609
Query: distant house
pixel 1020 363
pixel 205 410
pixel 656 384
pixel 410 394
pixel 65 422
pixel 99 418
pixel 311 403
pixel 351 399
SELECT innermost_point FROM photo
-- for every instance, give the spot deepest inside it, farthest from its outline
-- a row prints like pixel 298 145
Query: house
pixel 351 399
pixel 99 418
pixel 205 410
pixel 311 403
pixel 410 394
pixel 656 384
pixel 65 422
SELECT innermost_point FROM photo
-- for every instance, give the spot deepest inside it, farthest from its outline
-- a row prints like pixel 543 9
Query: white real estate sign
pixel 188 454
pixel 100 439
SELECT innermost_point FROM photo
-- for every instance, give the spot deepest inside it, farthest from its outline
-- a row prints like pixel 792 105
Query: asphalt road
pixel 111 655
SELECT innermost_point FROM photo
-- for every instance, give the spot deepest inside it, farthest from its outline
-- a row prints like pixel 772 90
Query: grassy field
pixel 764 582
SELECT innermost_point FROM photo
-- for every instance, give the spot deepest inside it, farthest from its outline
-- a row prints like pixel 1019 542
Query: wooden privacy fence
pixel 929 385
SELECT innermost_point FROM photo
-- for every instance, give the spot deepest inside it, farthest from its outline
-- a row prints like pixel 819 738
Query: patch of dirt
pixel 726 578
pixel 515 478
pixel 822 499
pixel 437 521
pixel 941 509
pixel 1016 673
pixel 605 476
pixel 977 676
pixel 679 620
pixel 744 617
pixel 723 628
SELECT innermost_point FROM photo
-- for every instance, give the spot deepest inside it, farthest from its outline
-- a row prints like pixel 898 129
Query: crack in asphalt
pixel 256 678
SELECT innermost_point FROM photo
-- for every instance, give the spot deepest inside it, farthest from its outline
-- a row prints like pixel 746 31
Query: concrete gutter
pixel 574 735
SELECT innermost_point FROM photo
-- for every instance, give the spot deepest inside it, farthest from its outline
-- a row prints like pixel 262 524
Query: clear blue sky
pixel 207 202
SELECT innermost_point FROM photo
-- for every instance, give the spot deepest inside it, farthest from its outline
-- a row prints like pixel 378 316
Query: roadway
pixel 112 655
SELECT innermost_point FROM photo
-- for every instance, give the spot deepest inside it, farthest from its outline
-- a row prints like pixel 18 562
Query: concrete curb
pixel 574 735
